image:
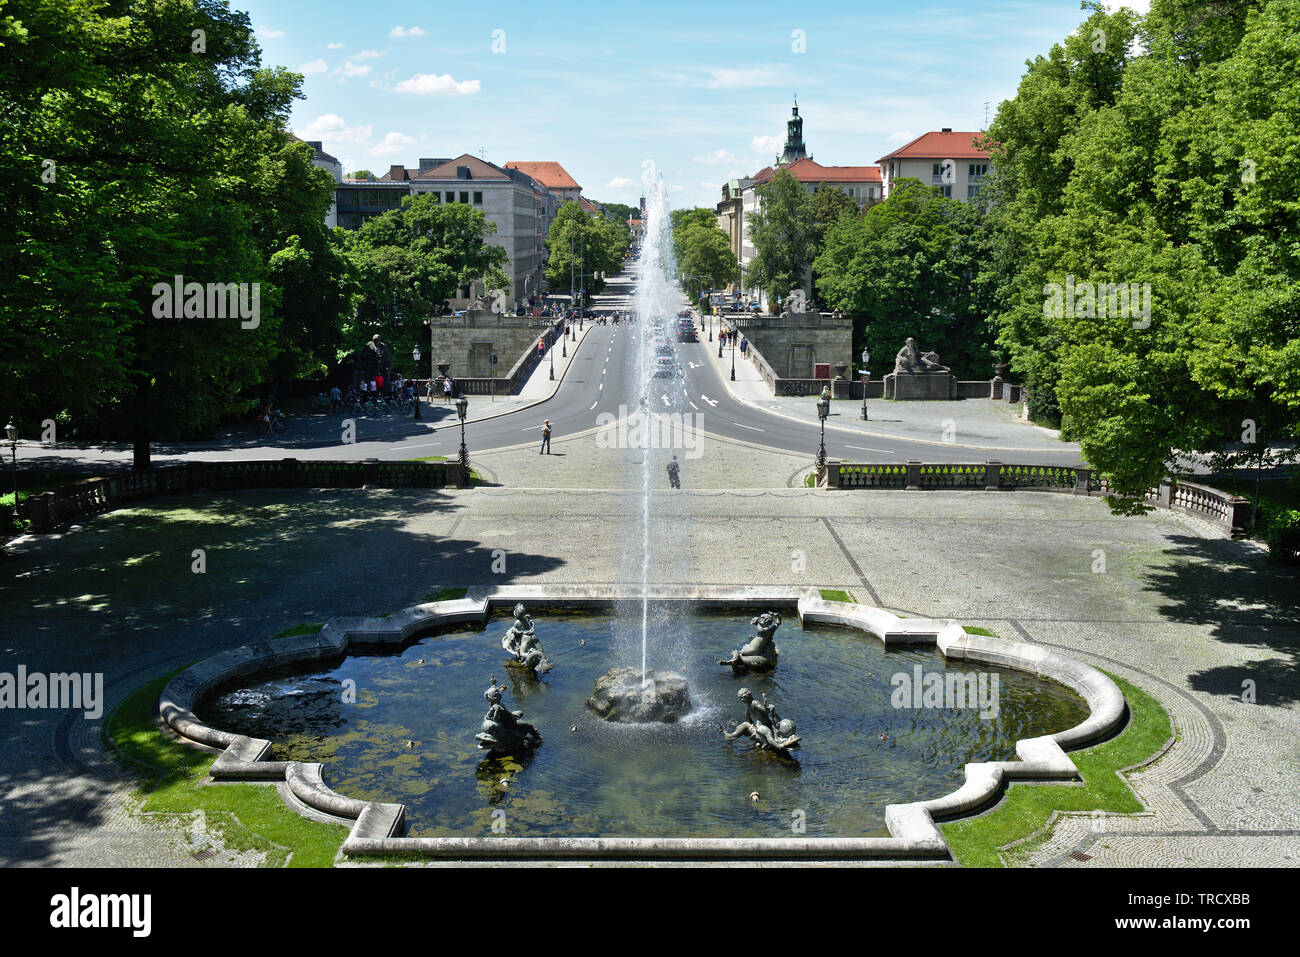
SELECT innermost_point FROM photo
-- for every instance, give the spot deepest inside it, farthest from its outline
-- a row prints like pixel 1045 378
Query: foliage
pixel 361 174
pixel 702 250
pixel 129 157
pixel 910 267
pixel 785 235
pixel 585 245
pixel 830 203
pixel 1171 166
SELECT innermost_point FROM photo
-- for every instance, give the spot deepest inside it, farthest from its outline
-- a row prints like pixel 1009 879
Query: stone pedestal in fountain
pixel 620 696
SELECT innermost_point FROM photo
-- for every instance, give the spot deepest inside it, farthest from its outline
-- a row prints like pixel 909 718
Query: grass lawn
pixel 835 594
pixel 244 817
pixel 1025 808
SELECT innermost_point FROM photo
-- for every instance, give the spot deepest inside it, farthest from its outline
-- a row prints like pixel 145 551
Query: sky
pixel 697 91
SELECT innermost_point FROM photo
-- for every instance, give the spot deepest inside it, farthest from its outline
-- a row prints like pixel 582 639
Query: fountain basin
pixel 620 695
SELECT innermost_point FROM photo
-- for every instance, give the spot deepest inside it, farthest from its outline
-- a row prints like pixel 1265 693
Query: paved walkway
pixel 979 424
pixel 1180 611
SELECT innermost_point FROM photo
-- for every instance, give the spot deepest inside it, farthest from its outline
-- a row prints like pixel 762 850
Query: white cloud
pixel 903 137
pixel 764 145
pixel 334 46
pixel 330 128
pixel 315 66
pixel 619 182
pixel 390 144
pixel 353 69
pixel 270 34
pixel 370 54
pixel 674 188
pixel 717 157
pixel 429 84
pixel 709 184
pixel 400 31
pixel 765 74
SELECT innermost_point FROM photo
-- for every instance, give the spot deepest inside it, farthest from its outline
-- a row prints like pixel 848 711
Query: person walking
pixel 674 475
pixel 546 438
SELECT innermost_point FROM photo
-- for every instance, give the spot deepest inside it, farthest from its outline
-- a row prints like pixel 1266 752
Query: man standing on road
pixel 546 437
pixel 674 476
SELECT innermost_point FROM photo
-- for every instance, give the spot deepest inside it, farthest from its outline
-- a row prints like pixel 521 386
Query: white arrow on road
pixel 708 400
pixel 695 365
pixel 665 398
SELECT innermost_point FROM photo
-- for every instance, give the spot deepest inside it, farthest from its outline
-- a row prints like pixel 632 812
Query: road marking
pixel 602 386
pixel 594 404
pixel 713 402
pixel 694 406
pixel 665 398
pixel 863 448
pixel 748 427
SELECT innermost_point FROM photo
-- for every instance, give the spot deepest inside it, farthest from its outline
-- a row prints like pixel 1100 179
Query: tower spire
pixel 794 146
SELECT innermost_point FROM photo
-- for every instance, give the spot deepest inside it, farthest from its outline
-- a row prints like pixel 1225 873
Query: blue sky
pixel 701 89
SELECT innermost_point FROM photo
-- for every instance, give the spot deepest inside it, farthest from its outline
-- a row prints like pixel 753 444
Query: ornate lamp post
pixel 866 377
pixel 733 355
pixel 462 410
pixel 415 357
pixel 11 433
pixel 823 410
pixel 551 352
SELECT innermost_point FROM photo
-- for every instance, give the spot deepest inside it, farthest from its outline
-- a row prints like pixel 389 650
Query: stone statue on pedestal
pixel 521 641
pixel 763 726
pixel 911 360
pixel 760 652
pixel 503 730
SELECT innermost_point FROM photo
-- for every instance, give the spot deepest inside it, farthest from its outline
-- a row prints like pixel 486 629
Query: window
pixel 978 170
pixel 451 197
pixel 945 190
pixel 973 190
pixel 478 198
pixel 464 197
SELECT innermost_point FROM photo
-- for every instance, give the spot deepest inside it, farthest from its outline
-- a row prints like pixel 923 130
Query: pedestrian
pixel 674 477
pixel 336 398
pixel 446 389
pixel 546 437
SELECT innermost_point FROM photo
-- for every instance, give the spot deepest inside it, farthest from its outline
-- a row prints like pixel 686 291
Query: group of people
pixel 724 337
pixel 373 388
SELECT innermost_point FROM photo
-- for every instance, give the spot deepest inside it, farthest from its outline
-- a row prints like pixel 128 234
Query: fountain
pixel 764 726
pixel 760 652
pixel 633 697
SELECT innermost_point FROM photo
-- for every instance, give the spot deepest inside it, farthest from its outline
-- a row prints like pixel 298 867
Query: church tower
pixel 794 148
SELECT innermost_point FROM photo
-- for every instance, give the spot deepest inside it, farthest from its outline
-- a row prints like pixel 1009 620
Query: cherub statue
pixel 503 730
pixel 522 642
pixel 763 725
pixel 760 652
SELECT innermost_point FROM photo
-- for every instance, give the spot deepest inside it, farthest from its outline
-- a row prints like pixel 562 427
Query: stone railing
pixel 1230 512
pixel 55 509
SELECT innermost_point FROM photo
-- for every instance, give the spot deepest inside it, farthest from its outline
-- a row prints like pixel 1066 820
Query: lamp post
pixel 11 433
pixel 462 409
pixel 733 355
pixel 415 357
pixel 551 352
pixel 823 410
pixel 866 377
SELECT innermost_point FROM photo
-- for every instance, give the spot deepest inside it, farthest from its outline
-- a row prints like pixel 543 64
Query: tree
pixel 141 142
pixel 410 260
pixel 702 250
pixel 361 174
pixel 830 203
pixel 580 246
pixel 785 233
pixel 910 267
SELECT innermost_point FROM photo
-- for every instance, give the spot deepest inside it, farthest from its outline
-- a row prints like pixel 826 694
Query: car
pixel 665 368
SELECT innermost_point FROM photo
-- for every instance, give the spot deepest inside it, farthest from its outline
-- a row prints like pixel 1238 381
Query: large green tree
pixel 785 234
pixel 1172 169
pixel 410 260
pixel 580 246
pixel 910 267
pixel 702 251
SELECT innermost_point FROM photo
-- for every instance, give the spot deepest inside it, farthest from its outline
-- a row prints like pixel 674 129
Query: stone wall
pixel 792 344
pixel 466 342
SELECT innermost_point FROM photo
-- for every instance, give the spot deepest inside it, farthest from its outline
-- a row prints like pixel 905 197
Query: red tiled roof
pixel 549 174
pixel 810 171
pixel 587 205
pixel 940 146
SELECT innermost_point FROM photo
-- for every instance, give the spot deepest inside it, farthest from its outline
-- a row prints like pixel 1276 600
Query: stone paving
pixel 1179 611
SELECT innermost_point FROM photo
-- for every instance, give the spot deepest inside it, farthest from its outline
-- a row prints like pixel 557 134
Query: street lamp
pixel 462 409
pixel 551 352
pixel 866 377
pixel 733 355
pixel 823 410
pixel 415 357
pixel 11 432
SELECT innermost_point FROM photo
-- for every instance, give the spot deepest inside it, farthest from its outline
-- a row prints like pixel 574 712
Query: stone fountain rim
pixel 376 826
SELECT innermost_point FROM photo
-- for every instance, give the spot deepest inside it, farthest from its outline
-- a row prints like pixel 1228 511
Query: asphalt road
pixel 605 377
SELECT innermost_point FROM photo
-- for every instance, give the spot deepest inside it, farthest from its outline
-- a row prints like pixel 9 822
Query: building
pixel 331 165
pixel 520 207
pixel 741 198
pixel 553 176
pixel 953 163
